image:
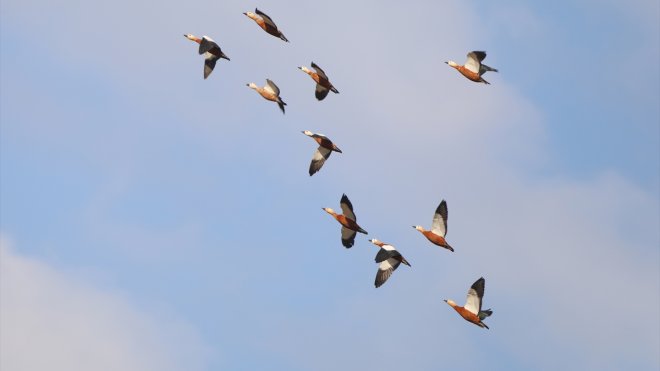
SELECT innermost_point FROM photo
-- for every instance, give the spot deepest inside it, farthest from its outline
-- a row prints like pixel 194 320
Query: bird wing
pixel 207 44
pixel 347 208
pixel 321 92
pixel 474 296
pixel 266 18
pixel 272 87
pixel 439 225
pixel 319 71
pixel 347 237
pixel 318 159
pixel 385 253
pixel 385 270
pixel 474 59
pixel 209 64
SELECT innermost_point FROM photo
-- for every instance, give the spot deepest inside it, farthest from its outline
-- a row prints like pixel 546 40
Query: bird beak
pixel 244 13
pixel 445 300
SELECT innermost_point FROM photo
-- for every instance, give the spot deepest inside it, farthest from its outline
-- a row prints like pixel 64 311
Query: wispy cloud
pixel 52 321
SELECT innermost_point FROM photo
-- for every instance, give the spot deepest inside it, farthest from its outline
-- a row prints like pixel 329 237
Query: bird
pixel 439 227
pixel 348 221
pixel 322 153
pixel 266 23
pixel 323 84
pixel 270 91
pixel 473 68
pixel 211 52
pixel 472 312
pixel 389 260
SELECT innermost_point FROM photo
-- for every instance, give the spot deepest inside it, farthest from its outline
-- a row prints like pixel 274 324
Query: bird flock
pixel 388 258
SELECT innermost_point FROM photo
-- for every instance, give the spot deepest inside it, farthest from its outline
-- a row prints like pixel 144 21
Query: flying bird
pixel 323 84
pixel 472 312
pixel 322 153
pixel 348 221
pixel 270 91
pixel 439 227
pixel 473 68
pixel 266 23
pixel 211 52
pixel 389 260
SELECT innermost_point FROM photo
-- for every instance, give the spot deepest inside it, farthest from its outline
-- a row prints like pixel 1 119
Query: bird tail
pixel 488 68
pixel 332 88
pixel 485 313
pixel 448 247
pixel 224 56
pixel 484 81
pixel 283 37
pixel 362 230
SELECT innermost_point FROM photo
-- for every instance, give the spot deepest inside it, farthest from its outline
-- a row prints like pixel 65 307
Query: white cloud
pixel 50 321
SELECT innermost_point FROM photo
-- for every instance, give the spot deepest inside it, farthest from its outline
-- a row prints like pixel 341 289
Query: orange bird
pixel 472 312
pixel 439 227
pixel 473 68
pixel 349 226
pixel 266 23
pixel 389 260
pixel 211 52
pixel 323 84
pixel 270 92
pixel 322 153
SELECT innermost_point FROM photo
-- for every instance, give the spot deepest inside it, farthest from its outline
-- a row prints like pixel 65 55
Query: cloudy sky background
pixel 153 220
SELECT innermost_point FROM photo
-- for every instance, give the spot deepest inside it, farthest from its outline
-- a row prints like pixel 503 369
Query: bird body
pixel 270 92
pixel 471 311
pixel 439 227
pixel 266 23
pixel 323 84
pixel 348 222
pixel 326 147
pixel 473 69
pixel 210 50
pixel 389 260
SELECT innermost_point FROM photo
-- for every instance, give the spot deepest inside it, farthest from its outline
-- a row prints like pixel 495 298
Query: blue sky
pixel 153 220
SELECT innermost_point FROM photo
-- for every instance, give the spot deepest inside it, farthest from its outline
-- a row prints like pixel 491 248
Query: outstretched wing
pixel 273 87
pixel 266 18
pixel 347 237
pixel 474 59
pixel 321 92
pixel 209 64
pixel 474 296
pixel 385 270
pixel 347 208
pixel 318 159
pixel 319 71
pixel 439 225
